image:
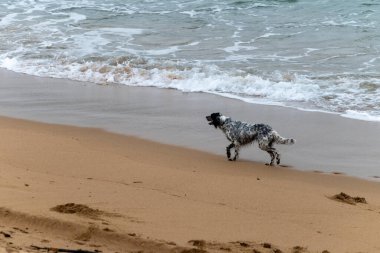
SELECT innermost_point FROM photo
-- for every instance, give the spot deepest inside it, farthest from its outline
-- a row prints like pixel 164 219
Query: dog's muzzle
pixel 209 119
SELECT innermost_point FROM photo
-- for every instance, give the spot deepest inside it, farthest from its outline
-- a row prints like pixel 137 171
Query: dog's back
pixel 241 132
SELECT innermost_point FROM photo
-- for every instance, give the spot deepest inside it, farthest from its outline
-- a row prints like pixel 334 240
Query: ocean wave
pixel 290 53
pixel 350 95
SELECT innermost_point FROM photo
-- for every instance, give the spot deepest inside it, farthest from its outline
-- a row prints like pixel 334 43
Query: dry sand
pixel 134 195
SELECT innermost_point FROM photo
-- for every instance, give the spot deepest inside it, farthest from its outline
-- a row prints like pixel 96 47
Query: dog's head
pixel 216 119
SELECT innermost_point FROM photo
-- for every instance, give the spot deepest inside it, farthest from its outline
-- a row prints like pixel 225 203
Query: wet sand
pixel 325 142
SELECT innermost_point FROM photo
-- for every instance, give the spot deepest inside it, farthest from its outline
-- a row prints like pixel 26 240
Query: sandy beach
pixel 134 195
pixel 105 146
pixel 161 183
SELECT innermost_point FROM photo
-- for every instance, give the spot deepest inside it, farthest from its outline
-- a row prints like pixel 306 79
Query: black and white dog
pixel 241 134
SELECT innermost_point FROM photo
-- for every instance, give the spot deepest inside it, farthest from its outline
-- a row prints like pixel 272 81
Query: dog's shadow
pixel 280 165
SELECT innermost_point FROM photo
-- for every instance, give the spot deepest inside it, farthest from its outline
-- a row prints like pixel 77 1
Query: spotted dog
pixel 242 133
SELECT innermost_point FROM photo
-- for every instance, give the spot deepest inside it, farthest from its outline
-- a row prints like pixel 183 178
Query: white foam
pixel 9 63
pixel 165 51
pixel 193 43
pixel 267 35
pixel 122 30
pixel 238 47
pixel 260 5
pixel 191 13
pixel 76 17
pixel 360 116
pixel 352 23
pixel 67 17
pixel 153 52
pixel 8 19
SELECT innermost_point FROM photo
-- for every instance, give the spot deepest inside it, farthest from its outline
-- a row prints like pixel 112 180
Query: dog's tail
pixel 281 140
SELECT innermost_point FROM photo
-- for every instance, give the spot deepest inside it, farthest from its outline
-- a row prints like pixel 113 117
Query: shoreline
pixel 159 197
pixel 325 142
pixel 353 115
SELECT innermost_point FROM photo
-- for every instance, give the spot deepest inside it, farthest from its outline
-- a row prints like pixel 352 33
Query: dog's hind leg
pixel 228 149
pixel 272 156
pixel 271 151
pixel 277 155
pixel 278 158
pixel 237 148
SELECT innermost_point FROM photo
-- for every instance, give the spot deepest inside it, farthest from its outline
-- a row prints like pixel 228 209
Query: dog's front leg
pixel 228 149
pixel 237 148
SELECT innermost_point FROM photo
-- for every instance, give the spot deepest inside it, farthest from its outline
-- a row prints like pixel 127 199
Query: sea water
pixel 309 54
